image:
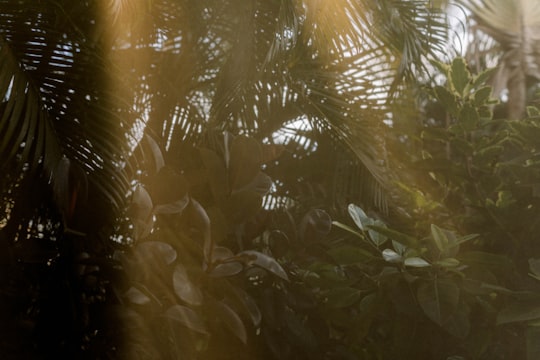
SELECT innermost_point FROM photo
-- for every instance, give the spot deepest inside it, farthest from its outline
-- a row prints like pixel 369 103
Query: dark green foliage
pixel 482 176
pixel 189 181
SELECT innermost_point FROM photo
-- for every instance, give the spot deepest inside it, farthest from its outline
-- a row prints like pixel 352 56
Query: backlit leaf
pixel 359 217
pixel 391 256
pixel 416 262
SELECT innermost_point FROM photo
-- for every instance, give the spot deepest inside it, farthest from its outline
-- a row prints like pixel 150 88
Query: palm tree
pixel 81 82
pixel 514 26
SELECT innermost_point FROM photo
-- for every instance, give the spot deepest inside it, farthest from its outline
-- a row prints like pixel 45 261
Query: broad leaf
pixel 155 251
pixel 391 256
pixel 377 237
pixel 266 262
pixel 250 305
pixel 184 288
pixel 416 262
pixel 460 75
pixel 186 317
pixel 226 269
pixel 439 237
pixel 448 262
pixel 232 321
pixel 438 299
pixel 172 208
pixel 405 239
pixel 359 217
pixel 468 117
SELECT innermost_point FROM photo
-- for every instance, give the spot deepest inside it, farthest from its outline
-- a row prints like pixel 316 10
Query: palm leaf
pixel 515 26
pixel 57 101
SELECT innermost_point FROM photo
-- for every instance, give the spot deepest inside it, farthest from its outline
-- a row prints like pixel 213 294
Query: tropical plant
pixel 478 175
pixel 514 26
pixel 92 92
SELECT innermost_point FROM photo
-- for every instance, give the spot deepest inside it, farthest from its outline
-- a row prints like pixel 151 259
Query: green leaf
pixel 448 262
pixel 416 262
pixel 186 317
pixel 359 217
pixel 439 237
pixel 376 237
pixel 468 117
pixel 482 95
pixel 518 312
pixel 399 247
pixel 481 78
pixel 250 305
pixel 441 66
pixel 225 262
pixel 405 239
pixel 184 288
pixel 343 297
pixel 347 228
pixel 227 269
pixel 460 75
pixel 391 256
pixel 266 262
pixel 232 321
pixel 438 299
pixel 447 99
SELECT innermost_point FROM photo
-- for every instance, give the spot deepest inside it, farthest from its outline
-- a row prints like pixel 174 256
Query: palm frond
pixel 58 98
pixel 515 26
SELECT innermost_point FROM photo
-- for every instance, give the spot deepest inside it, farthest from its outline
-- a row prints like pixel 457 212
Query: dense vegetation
pixel 268 180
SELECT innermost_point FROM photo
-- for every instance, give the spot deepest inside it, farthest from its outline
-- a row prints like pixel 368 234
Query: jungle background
pixel 269 179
